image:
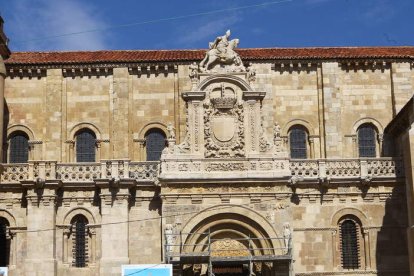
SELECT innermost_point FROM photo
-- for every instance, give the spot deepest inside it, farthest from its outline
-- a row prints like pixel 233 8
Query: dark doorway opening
pixel 230 270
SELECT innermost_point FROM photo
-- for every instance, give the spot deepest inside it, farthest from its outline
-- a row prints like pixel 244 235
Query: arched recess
pixel 72 140
pixel 244 86
pixel 10 236
pixel 301 122
pixel 147 127
pixel 83 125
pixel 21 128
pixel 235 222
pixel 140 151
pixel 367 120
pixel 362 223
pixel 310 133
pixel 33 153
pixel 69 235
pixel 78 211
pixel 379 129
pixel 349 211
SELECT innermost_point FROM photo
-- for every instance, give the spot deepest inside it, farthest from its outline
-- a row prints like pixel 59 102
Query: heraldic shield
pixel 224 127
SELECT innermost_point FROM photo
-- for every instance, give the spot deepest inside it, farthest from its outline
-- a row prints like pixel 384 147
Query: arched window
pixel 18 147
pixel 85 145
pixel 298 142
pixel 154 143
pixel 349 233
pixel 80 241
pixel 4 243
pixel 367 144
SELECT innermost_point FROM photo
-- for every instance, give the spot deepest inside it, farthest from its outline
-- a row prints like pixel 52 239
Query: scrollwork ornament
pixel 217 149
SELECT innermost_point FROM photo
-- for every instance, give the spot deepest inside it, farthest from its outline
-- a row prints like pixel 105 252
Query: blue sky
pixel 289 23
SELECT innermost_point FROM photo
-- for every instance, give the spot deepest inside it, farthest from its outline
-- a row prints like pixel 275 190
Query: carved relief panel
pixel 223 121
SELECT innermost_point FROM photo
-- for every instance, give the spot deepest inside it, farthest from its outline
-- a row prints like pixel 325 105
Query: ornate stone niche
pixel 224 128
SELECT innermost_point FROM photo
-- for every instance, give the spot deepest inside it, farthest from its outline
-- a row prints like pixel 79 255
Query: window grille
pixel 19 148
pixel 85 146
pixel 80 241
pixel 349 245
pixel 366 141
pixel 155 143
pixel 297 138
pixel 4 243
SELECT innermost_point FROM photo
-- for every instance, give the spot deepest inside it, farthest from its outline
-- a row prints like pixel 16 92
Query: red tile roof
pixel 195 55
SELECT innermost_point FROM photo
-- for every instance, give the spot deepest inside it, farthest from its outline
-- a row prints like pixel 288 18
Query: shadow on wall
pixel 391 249
pixel 6 120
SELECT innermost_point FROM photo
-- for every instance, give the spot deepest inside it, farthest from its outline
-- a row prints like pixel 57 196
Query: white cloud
pixel 206 30
pixel 34 20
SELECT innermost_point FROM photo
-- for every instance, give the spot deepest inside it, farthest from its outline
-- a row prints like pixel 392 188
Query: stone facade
pixel 226 170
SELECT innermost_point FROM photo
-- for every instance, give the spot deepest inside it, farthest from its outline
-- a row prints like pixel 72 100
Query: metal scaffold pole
pixel 210 265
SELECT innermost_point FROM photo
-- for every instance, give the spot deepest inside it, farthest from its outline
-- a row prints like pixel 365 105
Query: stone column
pixel 92 233
pixel 401 84
pixel 66 236
pixel 334 253
pixel 114 230
pixel 2 77
pixel 312 147
pixel 196 123
pixel 119 97
pixel 53 115
pixel 367 248
pixel 41 233
pixel 332 109
pixel 252 120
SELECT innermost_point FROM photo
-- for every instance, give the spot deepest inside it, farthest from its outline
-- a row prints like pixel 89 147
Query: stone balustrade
pixel 150 171
pixel 347 168
pixel 79 172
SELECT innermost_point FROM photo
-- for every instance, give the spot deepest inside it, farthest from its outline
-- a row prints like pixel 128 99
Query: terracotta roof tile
pixel 190 55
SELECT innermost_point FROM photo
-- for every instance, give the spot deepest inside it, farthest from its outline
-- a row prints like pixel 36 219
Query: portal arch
pixel 231 224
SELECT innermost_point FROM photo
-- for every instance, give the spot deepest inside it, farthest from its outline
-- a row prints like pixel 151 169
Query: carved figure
pixel 171 131
pixel 286 234
pixel 193 75
pixel 251 73
pixel 169 237
pixel 276 130
pixel 222 50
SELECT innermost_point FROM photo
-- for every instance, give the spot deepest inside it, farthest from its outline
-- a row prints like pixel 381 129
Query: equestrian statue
pixel 222 51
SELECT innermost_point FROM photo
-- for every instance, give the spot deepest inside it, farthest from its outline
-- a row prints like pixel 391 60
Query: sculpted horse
pixel 229 57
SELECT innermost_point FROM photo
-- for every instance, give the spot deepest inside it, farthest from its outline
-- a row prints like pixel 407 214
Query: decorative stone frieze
pixel 26 73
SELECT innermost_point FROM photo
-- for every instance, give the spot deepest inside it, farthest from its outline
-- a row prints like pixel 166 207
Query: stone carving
pixel 78 172
pixel 196 126
pixel 194 75
pixel 306 168
pixel 14 172
pixel 184 147
pixel 251 73
pixel 276 131
pixel 225 166
pixel 228 248
pixel 221 52
pixel 224 125
pixel 343 168
pixel 252 117
pixel 169 237
pixel 385 168
pixel 264 145
pixel 171 131
pixel 143 170
pixel 286 235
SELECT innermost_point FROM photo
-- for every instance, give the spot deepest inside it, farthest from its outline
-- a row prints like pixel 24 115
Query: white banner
pixel 147 270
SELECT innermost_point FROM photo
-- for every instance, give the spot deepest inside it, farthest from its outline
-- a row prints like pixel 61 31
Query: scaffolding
pixel 255 250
